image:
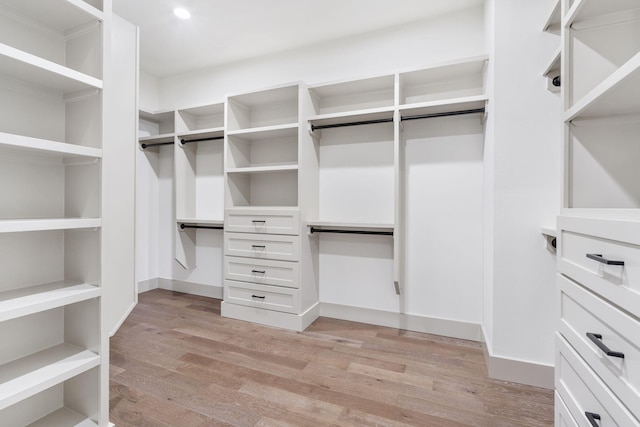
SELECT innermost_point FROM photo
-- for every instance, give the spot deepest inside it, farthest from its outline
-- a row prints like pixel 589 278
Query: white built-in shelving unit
pixel 552 69
pixel 599 227
pixel 54 358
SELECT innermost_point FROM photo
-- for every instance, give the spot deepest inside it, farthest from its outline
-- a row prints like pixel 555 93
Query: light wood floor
pixel 175 362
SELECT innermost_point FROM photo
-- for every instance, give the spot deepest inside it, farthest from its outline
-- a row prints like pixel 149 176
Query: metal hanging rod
pixel 210 227
pixel 328 230
pixel 340 125
pixel 445 114
pixel 155 144
pixel 188 141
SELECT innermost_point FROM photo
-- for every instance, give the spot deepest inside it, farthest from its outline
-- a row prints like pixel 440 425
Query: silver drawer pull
pixel 597 340
pixel 592 417
pixel 603 260
pixel 258 271
pixel 258 246
pixel 258 296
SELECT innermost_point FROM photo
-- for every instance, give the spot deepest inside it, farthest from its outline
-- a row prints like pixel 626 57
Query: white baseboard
pixel 410 322
pixel 147 285
pixel 190 288
pixel 517 371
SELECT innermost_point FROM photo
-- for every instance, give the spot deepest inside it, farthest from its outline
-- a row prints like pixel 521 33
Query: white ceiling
pixel 223 31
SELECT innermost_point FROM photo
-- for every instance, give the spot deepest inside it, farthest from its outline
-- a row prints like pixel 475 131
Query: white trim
pixel 276 319
pixel 411 322
pixel 121 321
pixel 147 285
pixel 200 289
pixel 516 370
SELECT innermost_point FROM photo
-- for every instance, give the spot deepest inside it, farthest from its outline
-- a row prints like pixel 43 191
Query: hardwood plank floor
pixel 175 362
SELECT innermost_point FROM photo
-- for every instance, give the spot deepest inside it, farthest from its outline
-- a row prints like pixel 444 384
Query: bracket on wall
pixel 549 234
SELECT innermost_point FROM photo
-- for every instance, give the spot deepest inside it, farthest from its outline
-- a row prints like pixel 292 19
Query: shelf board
pixel 263 169
pixel 201 133
pixel 32 374
pixel 34 299
pixel 444 105
pixel 164 137
pixel 47 224
pixel 58 14
pixel 549 231
pixel 47 147
pixel 553 23
pixel 613 97
pixel 553 68
pixel 24 66
pixel 199 221
pixel 64 417
pixel 352 116
pixel 603 213
pixel 583 11
pixel 357 226
pixel 263 129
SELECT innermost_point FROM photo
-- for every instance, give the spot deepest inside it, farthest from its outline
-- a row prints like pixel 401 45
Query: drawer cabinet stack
pixel 598 339
pixel 261 266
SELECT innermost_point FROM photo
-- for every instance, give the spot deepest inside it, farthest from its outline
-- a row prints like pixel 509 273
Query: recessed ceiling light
pixel 181 13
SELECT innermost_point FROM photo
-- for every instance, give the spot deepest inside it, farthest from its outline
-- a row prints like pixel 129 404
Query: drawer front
pixel 285 248
pixel 268 272
pixel 262 221
pixel 262 296
pixel 617 283
pixel 562 417
pixel 583 392
pixel 582 312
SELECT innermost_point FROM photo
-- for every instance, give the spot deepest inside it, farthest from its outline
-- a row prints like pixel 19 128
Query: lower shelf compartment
pixel 32 374
pixel 64 417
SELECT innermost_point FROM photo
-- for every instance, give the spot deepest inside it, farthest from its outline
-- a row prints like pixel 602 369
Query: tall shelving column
pixel 597 352
pixel 268 275
pixel 54 358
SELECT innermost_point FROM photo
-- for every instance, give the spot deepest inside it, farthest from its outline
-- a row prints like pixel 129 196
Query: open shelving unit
pixel 597 234
pixel 53 366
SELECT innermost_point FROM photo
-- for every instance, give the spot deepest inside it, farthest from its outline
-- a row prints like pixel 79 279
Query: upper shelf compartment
pixel 553 21
pixel 66 33
pixel 263 109
pixel 375 93
pixel 589 13
pixel 615 96
pixel 460 79
pixel 205 121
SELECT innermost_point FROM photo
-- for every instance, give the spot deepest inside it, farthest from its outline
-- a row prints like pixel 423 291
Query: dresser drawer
pixel 617 283
pixel 262 296
pixel 278 273
pixel 266 221
pixel 583 392
pixel 562 416
pixel 285 248
pixel 582 312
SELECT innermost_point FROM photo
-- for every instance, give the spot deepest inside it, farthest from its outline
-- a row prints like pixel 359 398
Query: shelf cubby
pixel 263 109
pixel 262 188
pixel 594 59
pixel 349 96
pixel 553 22
pixel 54 187
pixel 603 171
pixel 156 127
pixel 271 148
pixel 197 120
pixel 63 37
pixel 46 148
pixel 449 81
pixel 585 13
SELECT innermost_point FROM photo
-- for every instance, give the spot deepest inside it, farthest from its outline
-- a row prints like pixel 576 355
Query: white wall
pixel 523 185
pixel 149 92
pixel 409 46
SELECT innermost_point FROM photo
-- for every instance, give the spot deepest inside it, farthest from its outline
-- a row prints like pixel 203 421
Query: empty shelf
pixel 43 146
pixel 21 225
pixel 64 417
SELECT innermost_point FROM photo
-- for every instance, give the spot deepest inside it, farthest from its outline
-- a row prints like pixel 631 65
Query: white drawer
pixel 562 416
pixel 278 273
pixel 583 392
pixel 262 296
pixel 285 248
pixel 582 312
pixel 619 284
pixel 267 221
